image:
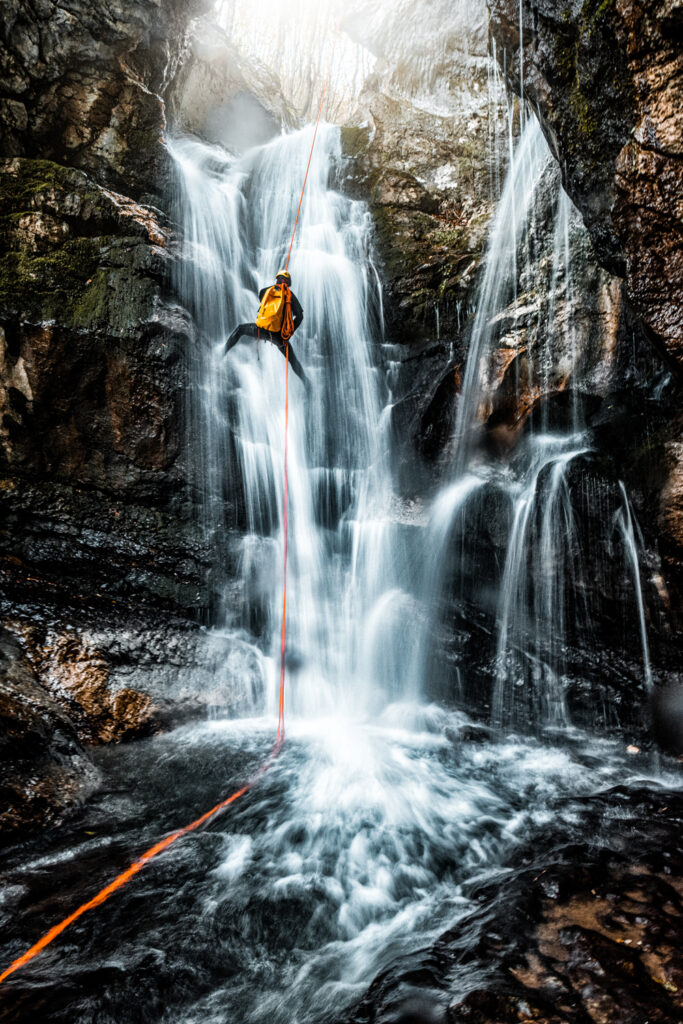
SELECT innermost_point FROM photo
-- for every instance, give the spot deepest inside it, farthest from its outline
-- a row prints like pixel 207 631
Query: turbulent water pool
pixel 349 853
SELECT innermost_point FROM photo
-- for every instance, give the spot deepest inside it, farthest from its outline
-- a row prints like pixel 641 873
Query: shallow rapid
pixel 349 853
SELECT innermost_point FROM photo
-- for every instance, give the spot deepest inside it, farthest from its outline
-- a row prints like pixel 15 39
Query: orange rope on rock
pixel 120 880
pixel 137 865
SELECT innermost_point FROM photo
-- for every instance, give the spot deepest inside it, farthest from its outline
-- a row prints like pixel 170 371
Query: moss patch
pixel 25 183
pixel 53 267
pixel 47 284
pixel 355 140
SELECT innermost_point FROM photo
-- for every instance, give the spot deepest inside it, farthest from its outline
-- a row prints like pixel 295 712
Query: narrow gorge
pixel 476 815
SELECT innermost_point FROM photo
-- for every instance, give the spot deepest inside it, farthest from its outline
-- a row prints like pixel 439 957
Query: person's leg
pixel 250 330
pixel 293 361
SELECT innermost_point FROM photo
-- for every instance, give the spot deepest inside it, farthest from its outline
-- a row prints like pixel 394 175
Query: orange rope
pixel 310 156
pixel 137 865
pixel 280 737
pixel 120 881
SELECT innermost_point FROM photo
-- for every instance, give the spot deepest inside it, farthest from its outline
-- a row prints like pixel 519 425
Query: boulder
pixel 46 771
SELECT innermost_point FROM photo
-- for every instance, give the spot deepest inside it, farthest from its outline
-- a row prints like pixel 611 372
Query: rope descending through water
pixel 137 865
pixel 280 736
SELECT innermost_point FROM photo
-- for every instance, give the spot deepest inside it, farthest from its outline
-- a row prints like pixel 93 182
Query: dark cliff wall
pixel 606 79
pixel 83 84
pixel 103 568
pixel 92 341
pixel 589 342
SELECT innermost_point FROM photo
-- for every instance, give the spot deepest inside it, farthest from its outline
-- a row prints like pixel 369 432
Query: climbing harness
pixel 163 844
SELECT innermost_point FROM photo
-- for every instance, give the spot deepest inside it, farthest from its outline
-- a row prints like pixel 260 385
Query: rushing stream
pixel 352 850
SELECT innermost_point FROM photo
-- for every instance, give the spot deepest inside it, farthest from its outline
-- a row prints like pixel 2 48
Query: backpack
pixel 275 311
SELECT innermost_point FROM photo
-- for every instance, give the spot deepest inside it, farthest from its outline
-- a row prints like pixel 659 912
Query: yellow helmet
pixel 284 273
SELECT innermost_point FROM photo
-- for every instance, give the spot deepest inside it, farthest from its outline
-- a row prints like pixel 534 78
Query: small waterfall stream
pixel 539 592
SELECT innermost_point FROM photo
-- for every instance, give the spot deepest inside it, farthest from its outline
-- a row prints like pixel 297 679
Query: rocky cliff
pixel 606 80
pixel 106 569
pixel 576 334
pixel 102 565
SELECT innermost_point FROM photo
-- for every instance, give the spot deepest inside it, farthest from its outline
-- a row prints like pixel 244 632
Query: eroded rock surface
pixel 45 770
pixel 98 516
pixel 607 81
pixel 224 97
pixel 419 153
pixel 82 84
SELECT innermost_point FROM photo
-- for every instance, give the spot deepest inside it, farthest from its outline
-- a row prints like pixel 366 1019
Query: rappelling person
pixel 279 315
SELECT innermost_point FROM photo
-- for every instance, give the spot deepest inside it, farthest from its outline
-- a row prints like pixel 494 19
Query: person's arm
pixel 297 311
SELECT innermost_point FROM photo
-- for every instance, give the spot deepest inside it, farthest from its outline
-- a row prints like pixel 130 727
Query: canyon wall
pixel 428 149
pixel 106 570
pixel 103 568
pixel 606 81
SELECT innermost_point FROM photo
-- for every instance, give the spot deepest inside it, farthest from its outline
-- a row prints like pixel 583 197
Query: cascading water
pixel 347 569
pixel 539 589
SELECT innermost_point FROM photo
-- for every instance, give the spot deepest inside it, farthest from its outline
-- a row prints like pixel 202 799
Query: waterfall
pixel 367 586
pixel 500 276
pixel 542 548
pixel 539 602
pixel 625 521
pixel 348 583
pixel 358 848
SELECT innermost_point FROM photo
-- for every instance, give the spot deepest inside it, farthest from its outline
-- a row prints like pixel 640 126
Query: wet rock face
pixel 607 81
pixel 568 932
pixel 92 373
pixel 225 98
pixel 82 84
pixel 45 769
pixel 428 189
pixel 418 150
pixel 98 524
pixel 115 675
pixel 90 342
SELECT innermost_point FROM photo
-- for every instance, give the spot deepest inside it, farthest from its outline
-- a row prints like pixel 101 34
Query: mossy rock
pixel 70 286
pixel 24 184
pixel 355 140
pixel 81 273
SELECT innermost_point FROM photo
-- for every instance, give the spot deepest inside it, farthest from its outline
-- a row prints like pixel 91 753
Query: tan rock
pixel 76 675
